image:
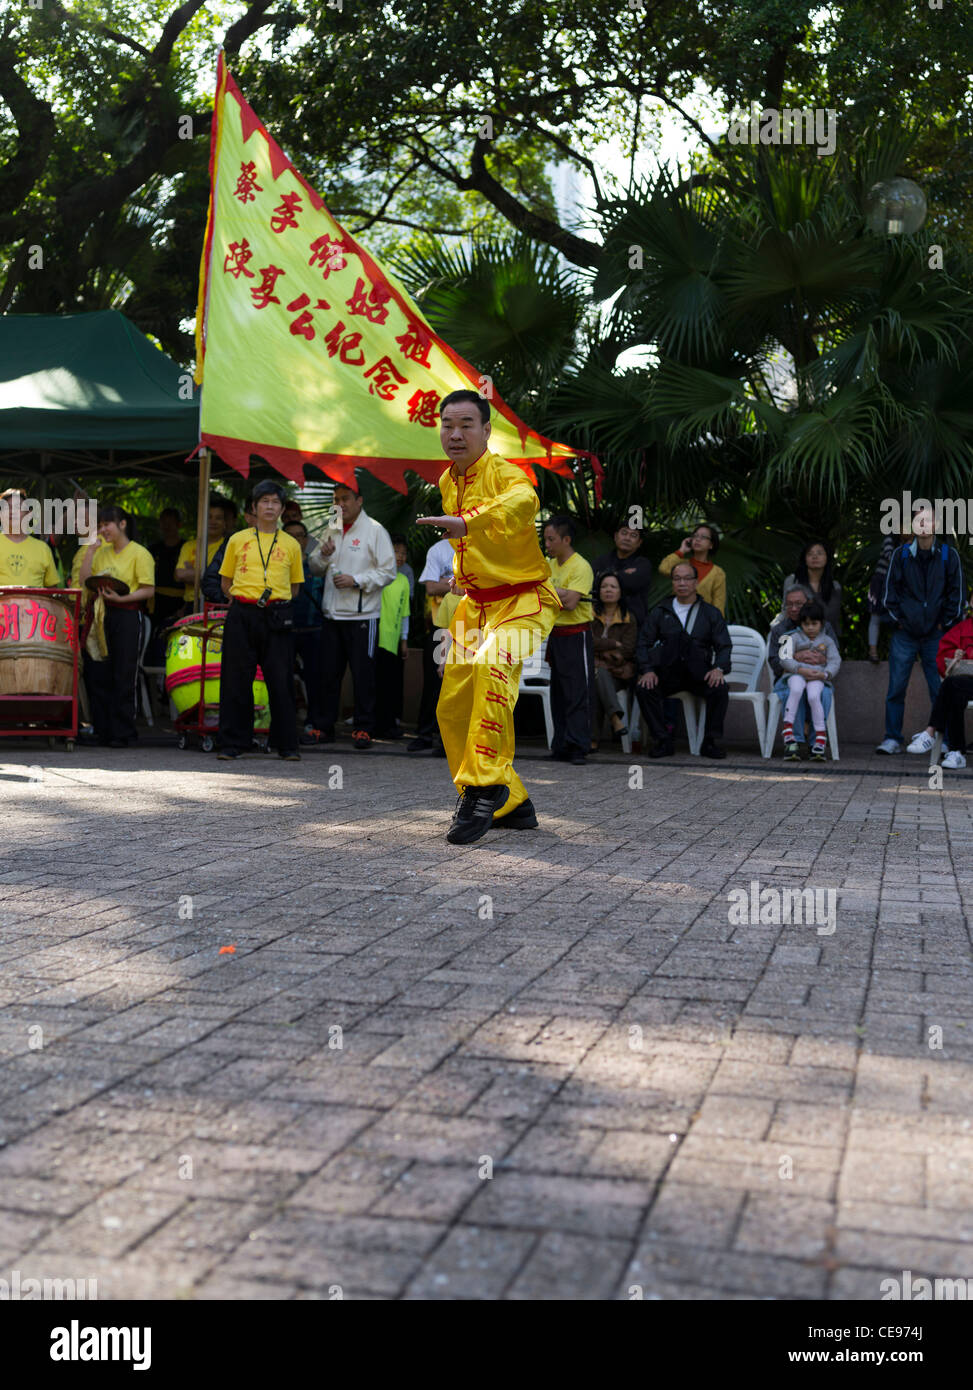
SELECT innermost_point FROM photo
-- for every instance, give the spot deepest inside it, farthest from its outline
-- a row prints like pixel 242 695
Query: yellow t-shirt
pixel 243 562
pixel 133 564
pixel 29 563
pixel 578 575
pixel 448 605
pixel 187 556
pixel 79 555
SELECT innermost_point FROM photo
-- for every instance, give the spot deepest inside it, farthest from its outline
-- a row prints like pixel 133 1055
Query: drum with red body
pixel 38 642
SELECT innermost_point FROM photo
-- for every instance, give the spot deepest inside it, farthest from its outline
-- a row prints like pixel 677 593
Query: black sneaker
pixel 227 755
pixel 419 745
pixel 523 817
pixel 577 758
pixel 711 749
pixel 663 749
pixel 474 813
pixel 818 756
pixel 291 757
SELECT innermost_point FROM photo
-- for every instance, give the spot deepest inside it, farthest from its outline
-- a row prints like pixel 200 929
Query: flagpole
pixel 202 525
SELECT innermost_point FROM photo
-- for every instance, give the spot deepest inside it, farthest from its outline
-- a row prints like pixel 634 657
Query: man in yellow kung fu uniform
pixel 508 610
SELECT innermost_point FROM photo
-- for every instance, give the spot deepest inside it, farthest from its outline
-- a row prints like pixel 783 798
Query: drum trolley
pixel 202 720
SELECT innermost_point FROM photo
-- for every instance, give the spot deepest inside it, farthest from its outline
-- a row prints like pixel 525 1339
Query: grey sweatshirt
pixel 789 664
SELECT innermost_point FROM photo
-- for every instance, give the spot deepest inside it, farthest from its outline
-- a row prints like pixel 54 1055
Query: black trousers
pixel 427 726
pixel 949 710
pixel 671 679
pixel 349 643
pixel 111 684
pixel 390 674
pixel 571 656
pixel 249 642
pixel 309 648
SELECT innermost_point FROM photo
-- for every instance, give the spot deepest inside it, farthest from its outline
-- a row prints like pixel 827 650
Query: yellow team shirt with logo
pixel 28 563
pixel 578 575
pixel 187 557
pixel 246 552
pixel 133 565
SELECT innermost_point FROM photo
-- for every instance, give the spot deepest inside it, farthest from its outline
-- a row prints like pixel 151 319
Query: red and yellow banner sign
pixel 309 351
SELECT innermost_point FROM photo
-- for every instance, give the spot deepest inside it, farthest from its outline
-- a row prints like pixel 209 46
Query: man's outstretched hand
pixel 453 526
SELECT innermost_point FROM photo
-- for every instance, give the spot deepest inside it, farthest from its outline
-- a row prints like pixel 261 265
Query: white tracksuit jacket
pixel 365 552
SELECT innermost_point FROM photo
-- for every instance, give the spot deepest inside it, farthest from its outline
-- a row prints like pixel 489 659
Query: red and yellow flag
pixel 309 351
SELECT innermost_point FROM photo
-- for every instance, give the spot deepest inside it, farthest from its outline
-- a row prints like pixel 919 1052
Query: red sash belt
pixel 238 598
pixel 502 591
pixel 569 627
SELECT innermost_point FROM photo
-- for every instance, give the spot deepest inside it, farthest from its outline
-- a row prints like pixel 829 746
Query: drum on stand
pixel 184 669
pixel 37 645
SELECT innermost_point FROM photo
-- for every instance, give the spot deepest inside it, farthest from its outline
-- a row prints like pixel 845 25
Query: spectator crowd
pixel 305 609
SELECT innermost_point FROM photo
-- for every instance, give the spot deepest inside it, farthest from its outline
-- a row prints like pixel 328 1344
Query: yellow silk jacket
pixel 495 499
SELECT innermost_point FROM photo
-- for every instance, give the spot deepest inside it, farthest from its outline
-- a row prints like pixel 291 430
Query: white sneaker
pixel 889 745
pixel 921 743
pixel 954 761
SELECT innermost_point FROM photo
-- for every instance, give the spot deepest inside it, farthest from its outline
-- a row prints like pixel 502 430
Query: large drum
pixel 184 670
pixel 38 645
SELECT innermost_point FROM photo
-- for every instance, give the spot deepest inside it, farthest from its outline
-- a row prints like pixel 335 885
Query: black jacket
pixel 924 596
pixel 211 586
pixel 634 574
pixel 663 641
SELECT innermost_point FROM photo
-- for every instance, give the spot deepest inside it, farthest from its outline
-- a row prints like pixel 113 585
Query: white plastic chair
pixel 773 718
pixel 746 663
pixel 535 679
pixel 631 709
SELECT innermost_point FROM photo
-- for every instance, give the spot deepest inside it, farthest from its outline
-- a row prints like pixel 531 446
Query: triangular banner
pixel 309 351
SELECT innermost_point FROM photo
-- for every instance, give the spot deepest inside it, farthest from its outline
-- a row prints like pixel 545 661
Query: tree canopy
pixel 411 116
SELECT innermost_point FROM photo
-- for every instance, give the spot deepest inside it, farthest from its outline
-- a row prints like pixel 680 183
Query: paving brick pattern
pixel 543 1067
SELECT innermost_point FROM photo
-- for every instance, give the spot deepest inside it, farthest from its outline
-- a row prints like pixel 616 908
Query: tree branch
pixel 373 218
pixel 573 248
pixel 247 25
pixel 395 222
pixel 35 136
pixel 171 30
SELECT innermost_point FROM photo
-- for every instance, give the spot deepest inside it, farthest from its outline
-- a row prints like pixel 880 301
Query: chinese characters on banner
pixel 315 319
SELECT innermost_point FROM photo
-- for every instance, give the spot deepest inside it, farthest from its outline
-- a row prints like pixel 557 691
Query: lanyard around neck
pixel 273 542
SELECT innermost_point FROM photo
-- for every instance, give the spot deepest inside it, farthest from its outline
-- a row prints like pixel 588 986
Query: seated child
pixel 811 662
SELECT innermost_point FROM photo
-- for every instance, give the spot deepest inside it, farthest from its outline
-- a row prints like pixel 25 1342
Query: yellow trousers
pixel 481 682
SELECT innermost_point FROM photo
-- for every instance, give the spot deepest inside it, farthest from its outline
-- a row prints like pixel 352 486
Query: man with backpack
pixel 924 597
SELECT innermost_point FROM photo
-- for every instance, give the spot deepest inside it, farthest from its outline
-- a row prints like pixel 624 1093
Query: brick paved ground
pixel 180 1126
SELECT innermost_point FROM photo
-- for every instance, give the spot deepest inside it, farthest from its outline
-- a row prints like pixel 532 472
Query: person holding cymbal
pixel 122 575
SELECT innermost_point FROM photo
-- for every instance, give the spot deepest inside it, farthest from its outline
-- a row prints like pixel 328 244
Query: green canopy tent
pixel 86 397
pixel 88 394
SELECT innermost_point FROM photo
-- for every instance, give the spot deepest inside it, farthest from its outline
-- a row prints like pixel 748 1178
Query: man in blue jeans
pixel 924 597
